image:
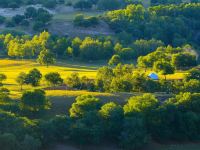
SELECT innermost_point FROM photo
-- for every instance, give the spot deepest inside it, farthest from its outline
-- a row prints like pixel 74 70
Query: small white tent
pixel 153 76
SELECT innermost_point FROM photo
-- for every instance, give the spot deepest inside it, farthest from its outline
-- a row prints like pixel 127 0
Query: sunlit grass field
pixel 11 68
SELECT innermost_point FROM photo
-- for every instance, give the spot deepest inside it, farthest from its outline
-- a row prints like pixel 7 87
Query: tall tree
pixel 46 58
pixel 21 79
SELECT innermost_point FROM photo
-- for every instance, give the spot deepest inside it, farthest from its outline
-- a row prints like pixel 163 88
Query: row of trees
pixel 54 79
pixel 130 126
pixel 159 22
pixel 167 59
pixel 18 3
pixel 100 4
pixel 123 78
pixel 90 48
pixel 39 17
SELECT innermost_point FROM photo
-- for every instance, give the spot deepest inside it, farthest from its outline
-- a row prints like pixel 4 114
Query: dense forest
pixel 152 56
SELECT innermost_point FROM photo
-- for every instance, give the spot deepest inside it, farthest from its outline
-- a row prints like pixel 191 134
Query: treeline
pixel 122 78
pixel 90 48
pixel 90 121
pixel 40 19
pixel 159 22
pixel 18 3
pixel 99 4
pixel 164 2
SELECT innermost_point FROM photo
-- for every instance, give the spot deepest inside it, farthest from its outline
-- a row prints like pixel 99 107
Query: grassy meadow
pixel 11 68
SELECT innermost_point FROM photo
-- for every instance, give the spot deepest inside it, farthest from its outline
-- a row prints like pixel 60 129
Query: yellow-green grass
pixel 11 68
pixel 178 75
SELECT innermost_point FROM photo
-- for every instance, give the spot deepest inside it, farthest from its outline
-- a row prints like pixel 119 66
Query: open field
pixel 61 98
pixel 11 68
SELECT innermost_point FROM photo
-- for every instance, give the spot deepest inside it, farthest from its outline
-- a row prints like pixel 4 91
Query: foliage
pixel 46 58
pixel 21 79
pixel 34 101
pixel 33 77
pixel 134 134
pixel 54 78
pixel 83 105
pixel 115 60
pixel 2 78
pixel 82 21
pixel 144 104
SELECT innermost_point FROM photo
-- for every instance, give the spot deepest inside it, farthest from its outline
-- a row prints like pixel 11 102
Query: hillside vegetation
pixel 99 75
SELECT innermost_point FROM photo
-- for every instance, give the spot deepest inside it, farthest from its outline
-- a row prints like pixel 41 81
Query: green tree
pixel 104 78
pixel 33 77
pixel 143 104
pixel 76 42
pixel 2 78
pixel 108 4
pixel 90 49
pixel 186 101
pixel 134 133
pixel 182 60
pixel 164 68
pixel 193 74
pixel 46 58
pixel 115 60
pixel 73 81
pixel 21 79
pixel 8 141
pixel 54 78
pixel 34 101
pixel 88 126
pixel 30 143
pixel 83 105
pixel 112 115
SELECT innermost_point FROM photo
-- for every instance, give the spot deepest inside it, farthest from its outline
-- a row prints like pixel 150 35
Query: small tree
pixel 34 101
pixel 193 74
pixel 30 143
pixel 184 60
pixel 2 78
pixel 33 77
pixel 73 81
pixel 83 105
pixel 134 134
pixel 163 68
pixel 8 141
pixel 142 104
pixel 54 78
pixel 46 58
pixel 112 116
pixel 21 79
pixel 115 60
pixel 4 94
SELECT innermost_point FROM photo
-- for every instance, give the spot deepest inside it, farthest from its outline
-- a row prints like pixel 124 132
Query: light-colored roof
pixel 153 76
